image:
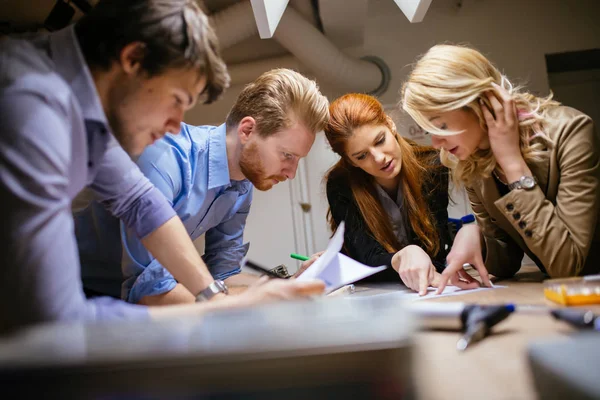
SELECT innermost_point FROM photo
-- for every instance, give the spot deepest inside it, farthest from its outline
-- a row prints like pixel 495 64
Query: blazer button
pixel 528 233
pixel 510 207
pixel 494 220
pixel 516 215
pixel 522 224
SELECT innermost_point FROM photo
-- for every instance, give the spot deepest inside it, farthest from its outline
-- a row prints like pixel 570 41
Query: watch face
pixel 527 182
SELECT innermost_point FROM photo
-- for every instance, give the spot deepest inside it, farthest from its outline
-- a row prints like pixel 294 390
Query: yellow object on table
pixel 573 291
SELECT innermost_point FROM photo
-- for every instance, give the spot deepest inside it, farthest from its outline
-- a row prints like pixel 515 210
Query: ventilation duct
pixel 307 44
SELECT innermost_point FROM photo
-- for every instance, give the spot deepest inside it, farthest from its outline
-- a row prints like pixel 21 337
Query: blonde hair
pixel 278 99
pixel 450 77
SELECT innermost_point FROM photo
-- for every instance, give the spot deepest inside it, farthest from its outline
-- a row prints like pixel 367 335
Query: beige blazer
pixel 555 223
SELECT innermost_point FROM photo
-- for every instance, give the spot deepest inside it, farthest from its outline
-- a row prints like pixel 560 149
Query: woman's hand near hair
pixel 465 250
pixel 415 268
pixel 503 133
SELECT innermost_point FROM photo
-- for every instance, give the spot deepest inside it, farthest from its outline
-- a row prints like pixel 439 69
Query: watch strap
pixel 216 287
pixel 524 182
pixel 514 185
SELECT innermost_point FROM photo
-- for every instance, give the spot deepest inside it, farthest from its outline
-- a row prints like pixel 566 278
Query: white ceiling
pixel 343 21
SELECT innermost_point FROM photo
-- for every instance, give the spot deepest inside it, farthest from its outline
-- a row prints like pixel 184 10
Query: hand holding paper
pixel 337 269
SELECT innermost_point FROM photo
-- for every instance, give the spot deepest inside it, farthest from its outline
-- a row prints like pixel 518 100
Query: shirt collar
pixel 71 65
pixel 384 196
pixel 218 168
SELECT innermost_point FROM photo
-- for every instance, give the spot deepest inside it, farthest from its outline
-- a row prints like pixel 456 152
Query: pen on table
pixel 577 318
pixel 256 267
pixel 478 321
pixel 346 289
pixel 299 257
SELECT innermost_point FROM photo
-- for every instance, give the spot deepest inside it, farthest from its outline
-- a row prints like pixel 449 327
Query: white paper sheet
pixel 398 290
pixel 337 269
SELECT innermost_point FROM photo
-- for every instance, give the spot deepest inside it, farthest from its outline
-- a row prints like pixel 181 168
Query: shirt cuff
pixel 224 275
pixel 148 213
pixel 154 280
pixel 110 309
pixel 520 207
pixel 224 262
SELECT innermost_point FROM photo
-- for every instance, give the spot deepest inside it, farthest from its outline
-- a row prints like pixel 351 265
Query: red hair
pixel 350 112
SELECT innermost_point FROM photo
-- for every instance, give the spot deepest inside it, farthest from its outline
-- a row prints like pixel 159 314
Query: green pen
pixel 299 257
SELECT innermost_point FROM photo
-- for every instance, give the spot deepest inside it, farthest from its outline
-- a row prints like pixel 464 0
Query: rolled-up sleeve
pixel 40 272
pixel 144 275
pixel 129 195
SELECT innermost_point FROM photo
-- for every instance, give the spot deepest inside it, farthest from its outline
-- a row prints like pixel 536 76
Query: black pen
pixel 577 318
pixel 256 267
pixel 478 321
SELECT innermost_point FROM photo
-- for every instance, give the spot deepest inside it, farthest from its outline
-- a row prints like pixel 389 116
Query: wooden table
pixel 497 367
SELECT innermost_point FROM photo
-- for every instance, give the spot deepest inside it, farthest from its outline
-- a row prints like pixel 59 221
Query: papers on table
pixel 337 269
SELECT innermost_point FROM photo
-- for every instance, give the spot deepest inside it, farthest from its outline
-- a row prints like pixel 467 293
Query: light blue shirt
pixel 54 141
pixel 191 170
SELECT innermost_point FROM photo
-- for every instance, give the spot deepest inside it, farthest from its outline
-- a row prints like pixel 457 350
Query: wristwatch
pixel 216 287
pixel 524 182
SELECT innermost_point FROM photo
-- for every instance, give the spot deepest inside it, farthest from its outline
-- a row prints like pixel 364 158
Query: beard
pixel 253 169
pixel 127 141
pixel 121 97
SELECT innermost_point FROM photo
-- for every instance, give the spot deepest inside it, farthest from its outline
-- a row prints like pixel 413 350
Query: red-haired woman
pixel 391 193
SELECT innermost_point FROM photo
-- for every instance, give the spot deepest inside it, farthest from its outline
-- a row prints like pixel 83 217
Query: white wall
pixel 515 34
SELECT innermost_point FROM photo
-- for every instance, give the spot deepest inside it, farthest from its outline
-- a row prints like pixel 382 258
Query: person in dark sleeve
pixel 391 193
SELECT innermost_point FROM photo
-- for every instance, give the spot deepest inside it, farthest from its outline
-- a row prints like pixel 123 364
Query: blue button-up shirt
pixel 191 170
pixel 54 141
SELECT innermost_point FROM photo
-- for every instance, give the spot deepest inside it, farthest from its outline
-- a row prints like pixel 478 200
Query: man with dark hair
pixel 73 119
pixel 207 173
pixel 168 35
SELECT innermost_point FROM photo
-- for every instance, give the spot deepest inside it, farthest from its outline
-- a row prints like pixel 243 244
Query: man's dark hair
pixel 174 34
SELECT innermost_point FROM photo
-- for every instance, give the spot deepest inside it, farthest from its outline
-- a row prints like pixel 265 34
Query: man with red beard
pixel 207 173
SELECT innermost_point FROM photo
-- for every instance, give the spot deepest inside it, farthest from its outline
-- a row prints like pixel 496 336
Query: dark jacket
pixel 360 244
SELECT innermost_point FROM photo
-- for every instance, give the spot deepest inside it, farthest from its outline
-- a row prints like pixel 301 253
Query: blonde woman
pixel 530 166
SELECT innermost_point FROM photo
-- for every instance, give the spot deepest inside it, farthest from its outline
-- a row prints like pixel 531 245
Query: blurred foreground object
pixel 567 368
pixel 323 349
